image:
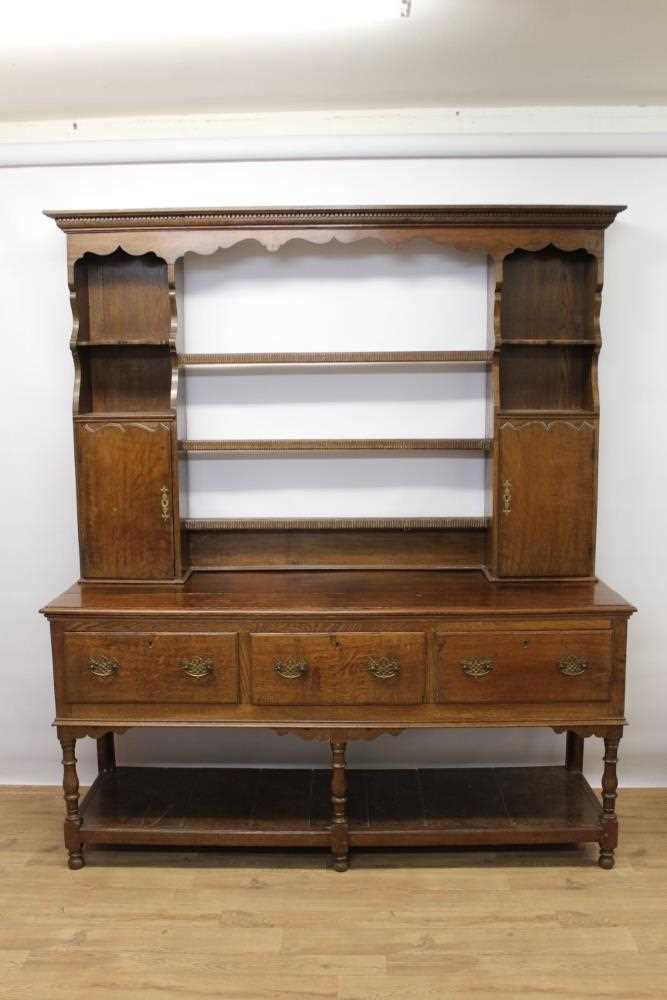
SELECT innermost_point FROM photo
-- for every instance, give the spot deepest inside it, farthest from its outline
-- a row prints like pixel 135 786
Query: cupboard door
pixel 546 498
pixel 126 528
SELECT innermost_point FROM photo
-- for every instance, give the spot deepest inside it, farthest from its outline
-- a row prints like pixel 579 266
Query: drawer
pixel 151 667
pixel 345 668
pixel 523 666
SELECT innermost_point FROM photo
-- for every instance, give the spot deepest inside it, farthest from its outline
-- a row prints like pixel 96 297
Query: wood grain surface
pixel 462 925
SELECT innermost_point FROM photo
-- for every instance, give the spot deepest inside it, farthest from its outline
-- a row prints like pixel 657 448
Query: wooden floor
pixel 142 925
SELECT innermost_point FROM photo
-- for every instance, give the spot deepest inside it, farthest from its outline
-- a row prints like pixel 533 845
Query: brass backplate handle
pixel 164 503
pixel 291 668
pixel 103 666
pixel 198 667
pixel 572 666
pixel 476 666
pixel 384 667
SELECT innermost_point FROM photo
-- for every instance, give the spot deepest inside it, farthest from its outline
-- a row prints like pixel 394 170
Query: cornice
pixel 359 217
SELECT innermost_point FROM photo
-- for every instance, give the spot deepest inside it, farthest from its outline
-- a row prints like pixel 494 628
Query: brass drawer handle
pixel 103 666
pixel 384 667
pixel 290 668
pixel 572 666
pixel 476 666
pixel 198 667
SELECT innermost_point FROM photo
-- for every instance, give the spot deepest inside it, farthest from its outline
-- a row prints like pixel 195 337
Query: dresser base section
pixel 384 808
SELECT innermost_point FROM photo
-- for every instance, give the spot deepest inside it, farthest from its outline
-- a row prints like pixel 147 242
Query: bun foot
pixel 341 864
pixel 606 860
pixel 76 861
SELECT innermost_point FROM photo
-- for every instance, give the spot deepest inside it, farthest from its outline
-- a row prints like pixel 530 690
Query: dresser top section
pixel 368 216
pixel 354 593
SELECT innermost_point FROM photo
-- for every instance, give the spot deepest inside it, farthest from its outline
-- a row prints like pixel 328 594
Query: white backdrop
pixel 39 557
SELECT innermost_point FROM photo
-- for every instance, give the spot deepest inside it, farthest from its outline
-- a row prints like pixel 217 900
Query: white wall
pixel 39 556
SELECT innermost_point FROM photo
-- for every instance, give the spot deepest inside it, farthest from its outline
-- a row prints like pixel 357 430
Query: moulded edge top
pixel 340 594
pixel 355 217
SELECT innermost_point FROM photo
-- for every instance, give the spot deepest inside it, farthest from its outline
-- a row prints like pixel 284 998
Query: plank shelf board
pixel 115 342
pixel 329 444
pixel 549 342
pixel 332 523
pixel 338 358
pixel 283 807
pixel 110 416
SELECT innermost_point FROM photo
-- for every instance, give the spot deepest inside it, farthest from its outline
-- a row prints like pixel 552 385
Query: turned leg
pixel 574 751
pixel 339 831
pixel 609 837
pixel 106 754
pixel 71 791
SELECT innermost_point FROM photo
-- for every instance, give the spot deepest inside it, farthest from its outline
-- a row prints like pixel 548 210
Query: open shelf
pixel 549 295
pixel 134 379
pixel 328 444
pixel 546 378
pixel 281 807
pixel 338 358
pixel 331 523
pixel 122 298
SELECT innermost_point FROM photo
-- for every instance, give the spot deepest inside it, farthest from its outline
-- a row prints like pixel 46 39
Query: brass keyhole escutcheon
pixel 164 503
pixel 507 497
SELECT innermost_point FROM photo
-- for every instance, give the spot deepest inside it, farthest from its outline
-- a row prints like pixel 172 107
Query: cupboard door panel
pixel 546 497
pixel 126 526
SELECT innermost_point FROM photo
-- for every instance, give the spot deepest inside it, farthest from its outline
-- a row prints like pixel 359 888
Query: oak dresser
pixel 338 629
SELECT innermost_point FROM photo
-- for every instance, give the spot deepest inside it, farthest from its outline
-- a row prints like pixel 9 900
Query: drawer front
pixel 151 667
pixel 361 668
pixel 524 667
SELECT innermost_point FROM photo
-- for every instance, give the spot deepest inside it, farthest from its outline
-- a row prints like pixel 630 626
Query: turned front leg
pixel 340 844
pixel 72 828
pixel 609 837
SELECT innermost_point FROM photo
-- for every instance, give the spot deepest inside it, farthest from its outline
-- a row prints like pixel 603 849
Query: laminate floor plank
pixel 515 924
